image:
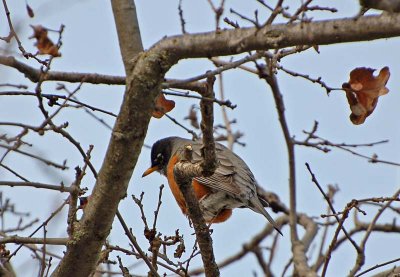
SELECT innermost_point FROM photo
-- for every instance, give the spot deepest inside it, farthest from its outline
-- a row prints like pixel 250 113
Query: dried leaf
pixel 192 116
pixel 180 249
pixel 363 91
pixel 83 201
pixel 149 234
pixel 43 43
pixel 162 106
pixel 4 252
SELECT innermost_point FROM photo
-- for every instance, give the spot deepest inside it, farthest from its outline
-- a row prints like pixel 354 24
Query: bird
pixel 232 185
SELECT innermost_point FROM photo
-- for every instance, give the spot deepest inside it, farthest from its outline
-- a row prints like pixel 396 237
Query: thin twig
pixel 60 188
pixel 14 172
pixel 28 240
pixel 217 71
pixel 361 255
pixel 298 250
pixel 54 97
pixel 193 133
pixel 339 220
pixel 311 79
pixel 52 215
pixel 36 157
pixel 221 102
pixel 158 207
pixel 135 244
pixel 377 266
pixel 323 144
pixel 183 22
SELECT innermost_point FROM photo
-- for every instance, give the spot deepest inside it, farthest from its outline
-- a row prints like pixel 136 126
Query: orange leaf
pixel 44 44
pixel 363 91
pixel 162 106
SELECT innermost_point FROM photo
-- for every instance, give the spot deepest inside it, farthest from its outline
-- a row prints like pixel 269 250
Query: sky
pixel 90 44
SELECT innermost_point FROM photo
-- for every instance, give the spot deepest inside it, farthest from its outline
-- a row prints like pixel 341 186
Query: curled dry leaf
pixel 192 117
pixel 43 43
pixel 83 202
pixel 363 91
pixel 162 106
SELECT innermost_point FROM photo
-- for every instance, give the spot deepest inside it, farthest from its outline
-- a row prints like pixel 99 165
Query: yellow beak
pixel 150 170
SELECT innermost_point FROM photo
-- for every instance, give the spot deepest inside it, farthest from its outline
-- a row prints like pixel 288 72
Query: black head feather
pixel 161 153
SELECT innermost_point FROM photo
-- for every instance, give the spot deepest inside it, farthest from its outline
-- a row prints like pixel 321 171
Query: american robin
pixel 231 186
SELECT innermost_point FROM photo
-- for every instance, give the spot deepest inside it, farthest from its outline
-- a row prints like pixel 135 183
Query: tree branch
pixel 27 240
pixel 231 42
pixel 126 22
pixel 60 188
pixel 185 171
pixel 34 74
pixel 207 128
pixel 360 260
pixel 298 248
pixel 143 84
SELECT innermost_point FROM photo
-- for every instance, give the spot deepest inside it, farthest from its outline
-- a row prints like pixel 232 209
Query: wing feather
pixel 225 177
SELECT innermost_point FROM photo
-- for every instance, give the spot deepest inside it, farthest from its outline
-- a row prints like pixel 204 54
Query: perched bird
pixel 231 186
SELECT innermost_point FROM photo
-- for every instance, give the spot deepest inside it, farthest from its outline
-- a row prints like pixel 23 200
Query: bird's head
pixel 160 155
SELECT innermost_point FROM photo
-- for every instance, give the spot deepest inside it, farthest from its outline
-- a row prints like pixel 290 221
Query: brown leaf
pixel 192 116
pixel 83 201
pixel 162 106
pixel 43 43
pixel 180 249
pixel 363 91
pixel 149 234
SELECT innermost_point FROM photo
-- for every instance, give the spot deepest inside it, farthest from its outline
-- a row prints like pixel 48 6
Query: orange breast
pixel 199 190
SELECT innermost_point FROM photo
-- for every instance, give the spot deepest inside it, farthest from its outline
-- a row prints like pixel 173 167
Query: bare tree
pixel 257 45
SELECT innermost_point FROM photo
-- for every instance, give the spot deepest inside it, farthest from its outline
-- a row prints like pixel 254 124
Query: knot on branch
pixel 185 170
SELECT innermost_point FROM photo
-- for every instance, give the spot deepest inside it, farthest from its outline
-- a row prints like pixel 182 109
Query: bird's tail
pixel 259 208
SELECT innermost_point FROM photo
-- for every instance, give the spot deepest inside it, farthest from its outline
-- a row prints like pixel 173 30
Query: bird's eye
pixel 159 158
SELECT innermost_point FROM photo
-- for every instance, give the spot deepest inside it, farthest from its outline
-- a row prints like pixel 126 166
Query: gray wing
pixel 232 175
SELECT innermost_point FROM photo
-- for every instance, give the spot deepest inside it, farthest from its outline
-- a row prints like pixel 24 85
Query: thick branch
pixel 207 128
pixel 126 22
pixel 231 42
pixel 143 85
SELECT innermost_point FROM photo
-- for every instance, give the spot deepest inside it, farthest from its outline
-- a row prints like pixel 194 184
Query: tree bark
pixel 124 148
